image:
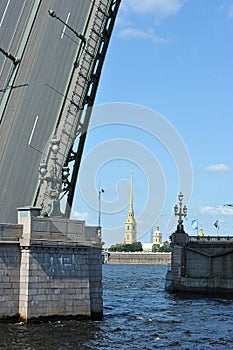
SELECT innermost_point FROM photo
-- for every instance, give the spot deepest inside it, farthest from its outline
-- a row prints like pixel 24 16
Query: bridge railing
pixel 192 239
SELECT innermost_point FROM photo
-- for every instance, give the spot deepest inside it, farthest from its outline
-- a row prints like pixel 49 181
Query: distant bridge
pixel 49 76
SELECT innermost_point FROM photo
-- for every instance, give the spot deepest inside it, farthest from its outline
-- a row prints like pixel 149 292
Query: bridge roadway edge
pixel 19 159
pixel 19 54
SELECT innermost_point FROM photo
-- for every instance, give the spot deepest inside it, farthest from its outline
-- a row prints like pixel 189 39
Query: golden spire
pixel 131 211
pixel 130 223
pixel 201 233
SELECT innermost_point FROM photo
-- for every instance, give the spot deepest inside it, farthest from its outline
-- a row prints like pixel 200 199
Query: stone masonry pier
pixel 50 267
pixel 200 264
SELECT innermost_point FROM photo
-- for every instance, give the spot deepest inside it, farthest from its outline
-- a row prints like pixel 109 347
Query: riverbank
pixel 139 258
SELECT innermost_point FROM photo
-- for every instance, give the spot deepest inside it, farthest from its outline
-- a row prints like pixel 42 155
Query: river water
pixel 138 314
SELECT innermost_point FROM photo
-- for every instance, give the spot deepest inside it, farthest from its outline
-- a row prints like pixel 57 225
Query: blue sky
pixel 172 58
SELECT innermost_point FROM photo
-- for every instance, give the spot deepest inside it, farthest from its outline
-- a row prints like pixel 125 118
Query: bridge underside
pixel 48 94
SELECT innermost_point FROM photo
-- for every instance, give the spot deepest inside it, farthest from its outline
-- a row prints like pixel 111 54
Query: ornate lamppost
pixel 181 212
pixel 54 177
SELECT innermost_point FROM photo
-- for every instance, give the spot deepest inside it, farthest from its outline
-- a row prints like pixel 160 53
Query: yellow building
pixel 130 223
pixel 157 237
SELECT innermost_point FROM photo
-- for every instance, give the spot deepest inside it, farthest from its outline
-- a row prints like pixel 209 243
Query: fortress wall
pixel 140 258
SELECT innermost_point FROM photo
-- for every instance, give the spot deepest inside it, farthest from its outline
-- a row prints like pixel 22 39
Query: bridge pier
pixel 57 268
pixel 200 264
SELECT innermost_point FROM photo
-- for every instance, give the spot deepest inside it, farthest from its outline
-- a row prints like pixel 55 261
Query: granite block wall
pixel 54 282
pixel 204 265
pixel 51 267
pixel 9 279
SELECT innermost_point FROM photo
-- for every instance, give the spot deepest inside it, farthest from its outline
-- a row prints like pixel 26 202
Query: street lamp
pixel 99 219
pixel 180 211
pixel 15 60
pixel 53 14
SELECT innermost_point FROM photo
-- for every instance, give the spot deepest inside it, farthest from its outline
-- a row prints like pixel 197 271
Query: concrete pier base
pixel 200 264
pixel 52 268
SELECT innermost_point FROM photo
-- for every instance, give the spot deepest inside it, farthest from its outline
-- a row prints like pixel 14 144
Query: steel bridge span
pixel 51 56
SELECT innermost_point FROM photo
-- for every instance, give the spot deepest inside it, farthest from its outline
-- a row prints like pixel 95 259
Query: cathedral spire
pixel 130 223
pixel 131 211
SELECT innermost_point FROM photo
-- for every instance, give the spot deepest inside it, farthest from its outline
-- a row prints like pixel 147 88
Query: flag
pixel 195 224
pixel 216 224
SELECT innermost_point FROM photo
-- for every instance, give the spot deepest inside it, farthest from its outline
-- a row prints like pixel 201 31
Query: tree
pixel 155 248
pixel 136 247
pixel 166 247
pixel 126 247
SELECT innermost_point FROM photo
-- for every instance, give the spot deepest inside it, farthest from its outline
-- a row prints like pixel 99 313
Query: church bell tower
pixel 130 223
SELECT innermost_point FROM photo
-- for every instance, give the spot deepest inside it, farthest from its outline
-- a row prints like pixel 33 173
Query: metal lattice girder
pixel 75 115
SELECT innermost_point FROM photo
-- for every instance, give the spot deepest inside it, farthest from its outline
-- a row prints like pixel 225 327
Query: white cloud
pixel 155 9
pixel 218 168
pixel 141 34
pixel 158 8
pixel 75 215
pixel 219 210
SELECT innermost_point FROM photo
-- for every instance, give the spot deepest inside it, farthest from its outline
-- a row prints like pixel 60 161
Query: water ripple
pixel 138 315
